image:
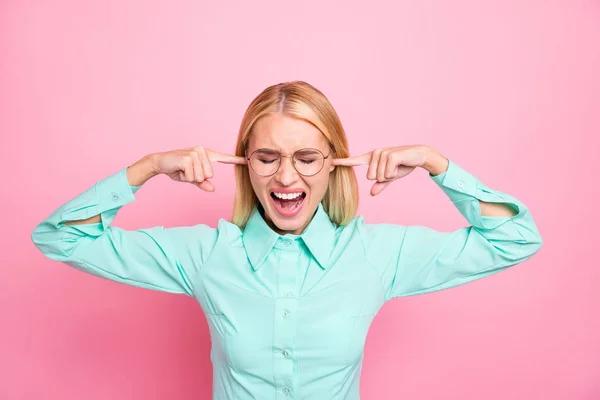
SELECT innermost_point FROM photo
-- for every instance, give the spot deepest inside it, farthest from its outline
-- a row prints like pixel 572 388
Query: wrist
pixel 144 169
pixel 435 163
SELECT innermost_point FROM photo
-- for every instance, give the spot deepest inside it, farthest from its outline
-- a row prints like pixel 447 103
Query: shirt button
pixel 289 294
pixel 287 242
pixel 287 391
pixel 286 313
pixel 115 197
pixel 461 184
pixel 285 353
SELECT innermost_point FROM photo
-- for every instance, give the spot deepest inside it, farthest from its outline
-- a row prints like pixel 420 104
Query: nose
pixel 286 174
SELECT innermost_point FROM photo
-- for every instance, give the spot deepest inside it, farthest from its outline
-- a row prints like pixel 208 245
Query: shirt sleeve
pixel 415 260
pixel 158 258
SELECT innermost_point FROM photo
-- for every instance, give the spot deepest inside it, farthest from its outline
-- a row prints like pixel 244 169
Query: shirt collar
pixel 318 236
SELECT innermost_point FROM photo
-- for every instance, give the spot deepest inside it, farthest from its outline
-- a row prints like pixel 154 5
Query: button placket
pixel 285 320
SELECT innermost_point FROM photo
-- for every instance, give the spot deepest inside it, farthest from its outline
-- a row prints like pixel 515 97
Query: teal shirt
pixel 288 315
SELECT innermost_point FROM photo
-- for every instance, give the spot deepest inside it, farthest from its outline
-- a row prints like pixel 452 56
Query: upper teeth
pixel 287 196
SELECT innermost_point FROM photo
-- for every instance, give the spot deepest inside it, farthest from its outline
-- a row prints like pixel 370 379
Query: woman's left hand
pixel 391 163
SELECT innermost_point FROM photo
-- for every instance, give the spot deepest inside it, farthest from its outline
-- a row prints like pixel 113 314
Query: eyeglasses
pixel 266 162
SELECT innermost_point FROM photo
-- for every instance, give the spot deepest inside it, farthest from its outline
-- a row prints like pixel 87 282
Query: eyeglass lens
pixel 306 161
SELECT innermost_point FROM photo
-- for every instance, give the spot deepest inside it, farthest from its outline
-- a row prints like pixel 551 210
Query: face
pixel 286 135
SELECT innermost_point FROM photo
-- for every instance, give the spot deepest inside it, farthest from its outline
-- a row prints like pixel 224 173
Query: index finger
pixel 352 161
pixel 225 158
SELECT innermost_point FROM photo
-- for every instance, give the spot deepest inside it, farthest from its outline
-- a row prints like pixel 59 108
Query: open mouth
pixel 288 204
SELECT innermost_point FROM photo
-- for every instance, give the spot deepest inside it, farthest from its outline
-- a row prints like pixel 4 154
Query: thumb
pixel 205 185
pixel 378 187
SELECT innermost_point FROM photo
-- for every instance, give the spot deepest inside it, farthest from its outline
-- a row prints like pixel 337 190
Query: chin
pixel 287 224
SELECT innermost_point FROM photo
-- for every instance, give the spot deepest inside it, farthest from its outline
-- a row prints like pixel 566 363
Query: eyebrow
pixel 280 150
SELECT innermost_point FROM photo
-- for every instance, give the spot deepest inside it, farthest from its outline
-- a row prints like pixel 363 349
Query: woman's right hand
pixel 193 165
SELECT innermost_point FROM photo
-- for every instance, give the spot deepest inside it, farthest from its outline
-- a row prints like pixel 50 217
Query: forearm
pixel 496 209
pixel 91 220
pixel 437 164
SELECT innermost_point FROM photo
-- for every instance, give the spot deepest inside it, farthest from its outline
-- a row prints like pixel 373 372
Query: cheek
pixel 253 182
pixel 258 184
pixel 320 185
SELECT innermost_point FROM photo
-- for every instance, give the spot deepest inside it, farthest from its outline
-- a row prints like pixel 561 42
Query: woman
pixel 291 285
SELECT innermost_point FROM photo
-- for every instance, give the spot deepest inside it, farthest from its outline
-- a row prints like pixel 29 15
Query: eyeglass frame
pixel 281 156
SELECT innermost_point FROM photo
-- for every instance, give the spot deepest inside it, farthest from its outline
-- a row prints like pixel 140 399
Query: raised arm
pixel 79 233
pixel 417 259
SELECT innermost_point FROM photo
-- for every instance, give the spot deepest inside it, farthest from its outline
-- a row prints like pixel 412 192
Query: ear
pixel 332 166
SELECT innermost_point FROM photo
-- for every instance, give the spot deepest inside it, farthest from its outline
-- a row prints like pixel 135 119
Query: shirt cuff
pixel 134 188
pixel 112 194
pixel 465 191
pixel 106 197
pixel 456 182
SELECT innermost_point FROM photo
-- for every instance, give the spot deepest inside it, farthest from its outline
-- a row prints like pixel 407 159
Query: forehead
pixel 285 134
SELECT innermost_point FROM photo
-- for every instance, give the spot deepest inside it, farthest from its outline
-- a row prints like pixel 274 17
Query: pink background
pixel 509 90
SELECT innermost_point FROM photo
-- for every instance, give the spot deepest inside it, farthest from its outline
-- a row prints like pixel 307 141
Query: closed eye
pixel 267 161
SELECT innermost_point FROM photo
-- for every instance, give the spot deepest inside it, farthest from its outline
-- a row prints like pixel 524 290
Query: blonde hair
pixel 301 100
